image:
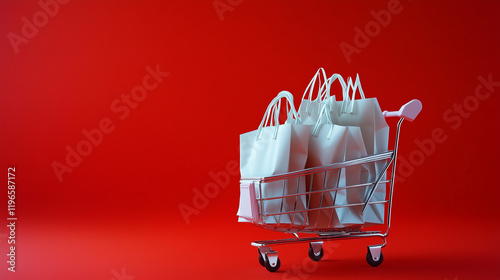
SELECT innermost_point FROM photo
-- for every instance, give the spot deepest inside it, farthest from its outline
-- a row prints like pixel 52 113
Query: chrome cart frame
pixel 269 258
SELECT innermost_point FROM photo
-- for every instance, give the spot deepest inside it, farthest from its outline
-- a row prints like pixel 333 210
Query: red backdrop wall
pixel 116 114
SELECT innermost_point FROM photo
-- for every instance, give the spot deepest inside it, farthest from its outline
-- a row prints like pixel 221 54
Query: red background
pixel 119 208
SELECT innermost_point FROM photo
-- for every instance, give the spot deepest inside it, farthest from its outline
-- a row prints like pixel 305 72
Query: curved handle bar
pixel 409 111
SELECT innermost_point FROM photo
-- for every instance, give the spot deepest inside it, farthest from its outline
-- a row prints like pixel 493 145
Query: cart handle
pixel 409 111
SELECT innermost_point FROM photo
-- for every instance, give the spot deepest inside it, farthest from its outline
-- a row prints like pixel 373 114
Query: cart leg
pixel 270 258
pixel 374 257
pixel 316 250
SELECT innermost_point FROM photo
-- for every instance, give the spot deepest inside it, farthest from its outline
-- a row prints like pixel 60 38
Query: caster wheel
pixel 261 260
pixel 313 256
pixel 370 261
pixel 273 268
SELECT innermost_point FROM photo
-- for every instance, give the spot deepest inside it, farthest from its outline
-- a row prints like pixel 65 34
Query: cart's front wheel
pixel 313 256
pixel 371 261
pixel 274 268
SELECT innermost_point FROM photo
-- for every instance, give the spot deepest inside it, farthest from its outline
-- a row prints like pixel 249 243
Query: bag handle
pixel 271 117
pixel 320 76
pixel 272 120
pixel 325 110
pixel 328 84
pixel 356 87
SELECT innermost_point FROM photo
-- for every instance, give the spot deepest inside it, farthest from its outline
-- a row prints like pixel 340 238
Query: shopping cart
pixel 253 186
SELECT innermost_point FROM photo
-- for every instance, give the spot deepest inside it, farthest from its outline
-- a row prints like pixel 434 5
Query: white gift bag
pixel 275 149
pixel 330 143
pixel 327 145
pixel 366 114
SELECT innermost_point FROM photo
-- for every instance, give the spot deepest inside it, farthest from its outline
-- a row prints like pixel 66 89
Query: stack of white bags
pixel 321 132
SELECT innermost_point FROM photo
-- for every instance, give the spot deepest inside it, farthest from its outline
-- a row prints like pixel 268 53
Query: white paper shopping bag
pixel 366 114
pixel 275 149
pixel 327 145
pixel 330 143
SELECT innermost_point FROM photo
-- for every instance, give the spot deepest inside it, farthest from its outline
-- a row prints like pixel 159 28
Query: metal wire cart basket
pixel 301 220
